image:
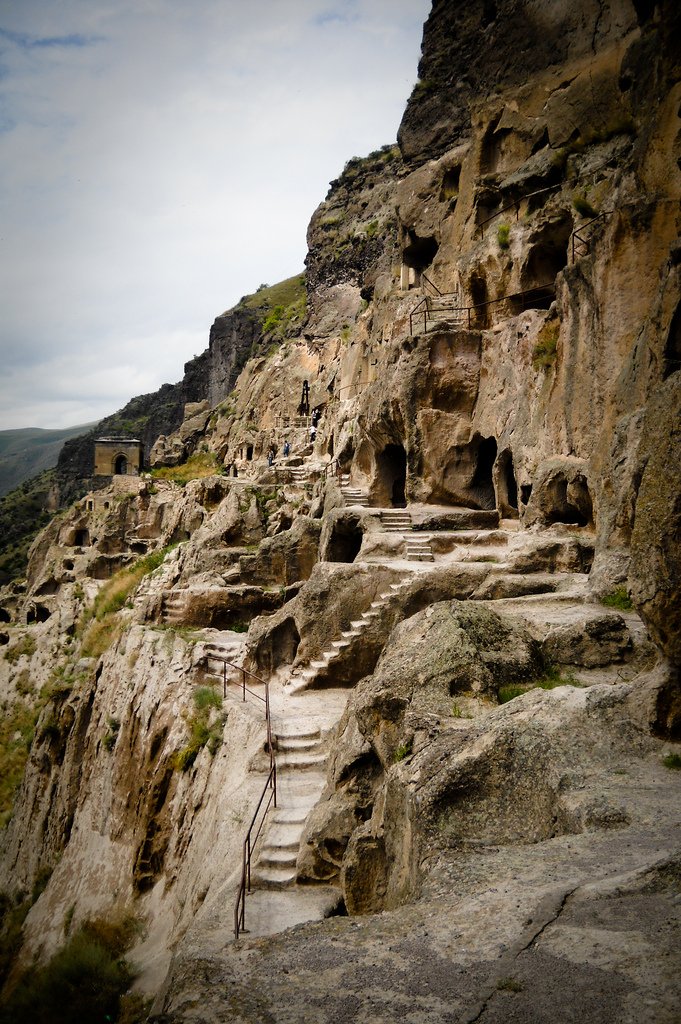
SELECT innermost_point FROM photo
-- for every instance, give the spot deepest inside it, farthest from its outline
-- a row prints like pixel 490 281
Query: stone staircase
pixel 300 782
pixel 418 548
pixel 299 473
pixel 353 495
pixel 174 607
pixel 305 676
pixel 398 520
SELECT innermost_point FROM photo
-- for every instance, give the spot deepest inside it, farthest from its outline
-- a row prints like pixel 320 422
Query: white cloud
pixel 157 161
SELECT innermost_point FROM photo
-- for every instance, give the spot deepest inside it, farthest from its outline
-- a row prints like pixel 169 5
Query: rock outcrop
pixel 430 477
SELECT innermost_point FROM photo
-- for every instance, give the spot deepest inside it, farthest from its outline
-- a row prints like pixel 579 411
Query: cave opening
pixel 418 252
pixel 525 493
pixel 482 484
pixel 120 467
pixel 81 538
pixel 480 299
pixel 37 613
pixel 391 476
pixel 548 255
pixel 507 485
pixel 672 348
pixel 281 647
pixel 249 452
pixel 449 189
pixel 5 615
pixel 345 541
pixel 569 503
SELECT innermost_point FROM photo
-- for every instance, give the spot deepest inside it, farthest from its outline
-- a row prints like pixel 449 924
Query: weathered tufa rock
pixel 601 640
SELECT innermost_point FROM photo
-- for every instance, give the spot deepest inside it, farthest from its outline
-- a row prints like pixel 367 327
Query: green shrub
pixel 544 352
pixel 504 236
pixel 24 647
pixel 549 681
pixel 204 731
pixel 404 750
pixel 672 761
pixel 109 741
pixel 197 467
pixel 618 598
pixel 371 230
pixel 583 206
pixel 83 982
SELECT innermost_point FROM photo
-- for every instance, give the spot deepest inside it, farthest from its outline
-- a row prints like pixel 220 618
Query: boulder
pixel 600 640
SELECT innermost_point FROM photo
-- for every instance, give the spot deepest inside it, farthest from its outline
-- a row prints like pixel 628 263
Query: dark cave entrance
pixel 569 503
pixel 548 255
pixel 391 476
pixel 120 465
pixel 419 253
pixel 479 299
pixel 525 493
pixel 249 452
pixel 507 485
pixel 81 538
pixel 482 484
pixel 345 541
pixel 5 615
pixel 38 613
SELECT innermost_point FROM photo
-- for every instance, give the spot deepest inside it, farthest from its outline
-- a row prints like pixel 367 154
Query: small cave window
pixel 672 348
pixel 81 538
pixel 482 484
pixel 37 613
pixel 235 471
pixel 449 188
pixel 120 467
pixel 345 541
pixel 569 503
pixel 68 564
pixel 5 615
pixel 249 452
pixel 107 504
pixel 90 506
pixel 525 493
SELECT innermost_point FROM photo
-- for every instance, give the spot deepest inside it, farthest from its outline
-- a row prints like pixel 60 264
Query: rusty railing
pixel 268 797
pixel 467 315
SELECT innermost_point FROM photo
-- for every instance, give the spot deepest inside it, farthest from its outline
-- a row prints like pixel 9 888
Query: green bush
pixel 82 983
pixel 672 761
pixel 504 236
pixel 618 598
pixel 404 750
pixel 544 352
pixel 204 730
pixel 549 681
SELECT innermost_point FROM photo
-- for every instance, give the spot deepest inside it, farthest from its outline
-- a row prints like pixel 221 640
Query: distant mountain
pixel 25 453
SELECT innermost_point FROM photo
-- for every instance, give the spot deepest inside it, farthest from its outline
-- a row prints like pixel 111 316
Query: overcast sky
pixel 158 160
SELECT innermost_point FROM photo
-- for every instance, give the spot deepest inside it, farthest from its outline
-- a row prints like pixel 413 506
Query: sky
pixel 158 160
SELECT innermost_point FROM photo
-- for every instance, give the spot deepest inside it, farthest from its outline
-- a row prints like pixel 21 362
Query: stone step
pixel 359 623
pixel 273 878
pixel 349 634
pixel 340 644
pixel 311 734
pixel 276 857
pixel 291 743
pixel 299 761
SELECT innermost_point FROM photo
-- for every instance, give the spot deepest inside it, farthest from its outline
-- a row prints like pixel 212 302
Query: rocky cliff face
pixel 488 337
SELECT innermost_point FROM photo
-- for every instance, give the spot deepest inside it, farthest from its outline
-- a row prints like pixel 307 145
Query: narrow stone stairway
pixel 300 781
pixel 304 676
pixel 174 607
pixel 353 495
pixel 417 545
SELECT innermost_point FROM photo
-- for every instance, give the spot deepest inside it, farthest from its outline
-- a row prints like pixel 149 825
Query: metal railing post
pixel 243 683
pixel 224 679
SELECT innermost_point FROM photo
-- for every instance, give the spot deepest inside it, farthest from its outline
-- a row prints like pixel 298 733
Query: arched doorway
pixel 120 466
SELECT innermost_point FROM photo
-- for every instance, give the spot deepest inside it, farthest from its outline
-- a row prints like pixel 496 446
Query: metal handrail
pixel 271 785
pixel 248 848
pixel 446 309
pixel 516 205
pixel 431 284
